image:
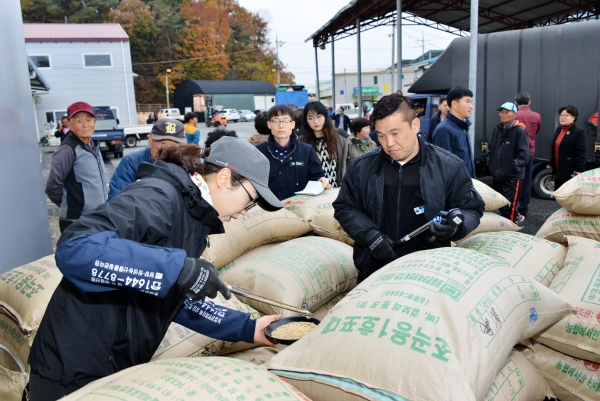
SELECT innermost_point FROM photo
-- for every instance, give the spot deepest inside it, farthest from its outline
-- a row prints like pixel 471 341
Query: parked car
pixel 231 115
pixel 258 111
pixel 173 113
pixel 247 115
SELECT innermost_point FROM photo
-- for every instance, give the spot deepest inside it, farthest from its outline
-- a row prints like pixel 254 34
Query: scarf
pixel 202 186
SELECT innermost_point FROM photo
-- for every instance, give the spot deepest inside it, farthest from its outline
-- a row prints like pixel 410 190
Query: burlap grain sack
pixel 324 310
pixel 246 256
pixel 14 341
pixel 325 225
pixel 256 356
pixel 247 232
pixel 519 380
pixel 493 200
pixel 307 207
pixel 570 378
pixel 492 222
pixel 433 325
pixel 26 290
pixel 12 384
pixel 534 257
pixel 179 341
pixel 562 223
pixel 206 379
pixel 581 194
pixel 578 334
pixel 318 211
pixel 305 272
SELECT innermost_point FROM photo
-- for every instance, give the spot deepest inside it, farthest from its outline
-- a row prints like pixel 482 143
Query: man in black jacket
pixel 390 191
pixel 507 157
pixel 341 121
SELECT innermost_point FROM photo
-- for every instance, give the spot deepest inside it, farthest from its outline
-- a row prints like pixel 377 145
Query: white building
pixel 376 84
pixel 82 62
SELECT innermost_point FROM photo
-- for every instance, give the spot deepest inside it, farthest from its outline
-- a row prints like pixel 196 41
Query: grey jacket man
pixel 77 182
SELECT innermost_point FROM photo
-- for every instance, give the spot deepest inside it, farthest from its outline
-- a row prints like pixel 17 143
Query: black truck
pixel 107 132
pixel 558 65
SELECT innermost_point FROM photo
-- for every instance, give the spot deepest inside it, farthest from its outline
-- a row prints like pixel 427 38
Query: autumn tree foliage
pixel 195 39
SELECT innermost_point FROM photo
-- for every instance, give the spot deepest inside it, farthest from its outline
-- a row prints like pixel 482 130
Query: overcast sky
pixel 295 21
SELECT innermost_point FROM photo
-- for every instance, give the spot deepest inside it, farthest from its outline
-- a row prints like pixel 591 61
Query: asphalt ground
pixel 539 209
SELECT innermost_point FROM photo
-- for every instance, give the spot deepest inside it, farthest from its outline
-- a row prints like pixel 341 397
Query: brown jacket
pixel 257 139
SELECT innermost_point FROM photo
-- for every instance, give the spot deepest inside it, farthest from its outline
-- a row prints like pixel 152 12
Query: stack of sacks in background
pixel 318 211
pixel 580 211
pixel 211 378
pixel 433 325
pixel 568 352
pixel 24 296
pixel 492 221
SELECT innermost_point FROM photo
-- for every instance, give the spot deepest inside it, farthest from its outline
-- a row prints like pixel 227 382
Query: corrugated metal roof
pixel 74 33
pixel 234 87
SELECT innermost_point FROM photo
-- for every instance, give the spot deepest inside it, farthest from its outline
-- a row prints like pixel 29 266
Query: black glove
pixel 380 245
pixel 200 279
pixel 442 230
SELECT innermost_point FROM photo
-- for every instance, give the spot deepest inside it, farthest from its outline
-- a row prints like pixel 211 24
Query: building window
pixel 374 79
pixel 41 61
pixel 97 60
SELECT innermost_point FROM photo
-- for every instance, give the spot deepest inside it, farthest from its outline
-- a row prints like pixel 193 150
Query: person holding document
pixel 293 163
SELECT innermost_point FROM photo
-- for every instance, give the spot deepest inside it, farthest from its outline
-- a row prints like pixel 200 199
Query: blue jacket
pixel 299 167
pixel 125 171
pixel 452 134
pixel 119 294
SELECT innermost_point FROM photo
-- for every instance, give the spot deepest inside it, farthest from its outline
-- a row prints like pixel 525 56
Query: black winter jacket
pixel 91 330
pixel 571 153
pixel 445 184
pixel 508 152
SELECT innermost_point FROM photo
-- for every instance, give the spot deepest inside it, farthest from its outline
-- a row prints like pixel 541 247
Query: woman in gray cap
pixel 131 267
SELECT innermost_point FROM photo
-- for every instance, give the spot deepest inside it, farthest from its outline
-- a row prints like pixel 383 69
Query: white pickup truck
pixel 136 133
pixel 173 113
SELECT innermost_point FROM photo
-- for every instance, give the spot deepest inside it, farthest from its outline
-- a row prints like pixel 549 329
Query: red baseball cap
pixel 79 106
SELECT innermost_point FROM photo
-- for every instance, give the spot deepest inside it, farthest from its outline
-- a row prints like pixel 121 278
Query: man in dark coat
pixel 452 133
pixel 342 121
pixel 507 157
pixel 390 191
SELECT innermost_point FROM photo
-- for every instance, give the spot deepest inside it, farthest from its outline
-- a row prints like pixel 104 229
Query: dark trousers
pixel 525 196
pixel 41 389
pixel 558 183
pixel 63 224
pixel 510 189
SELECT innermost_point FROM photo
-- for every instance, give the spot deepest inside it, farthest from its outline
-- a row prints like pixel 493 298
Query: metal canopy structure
pixel 453 16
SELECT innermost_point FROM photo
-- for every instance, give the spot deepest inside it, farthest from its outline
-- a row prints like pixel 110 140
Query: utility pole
pixel 278 44
pixel 167 87
pixel 422 46
pixel 393 36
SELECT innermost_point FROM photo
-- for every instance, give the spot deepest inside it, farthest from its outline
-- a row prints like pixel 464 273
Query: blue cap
pixel 508 106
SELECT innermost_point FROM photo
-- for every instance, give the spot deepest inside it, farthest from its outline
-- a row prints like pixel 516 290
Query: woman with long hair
pixel 331 148
pixel 132 267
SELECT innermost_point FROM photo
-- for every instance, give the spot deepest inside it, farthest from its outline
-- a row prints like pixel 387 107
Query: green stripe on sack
pixel 348 384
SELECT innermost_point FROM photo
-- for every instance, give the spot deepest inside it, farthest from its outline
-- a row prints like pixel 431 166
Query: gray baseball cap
pixel 241 157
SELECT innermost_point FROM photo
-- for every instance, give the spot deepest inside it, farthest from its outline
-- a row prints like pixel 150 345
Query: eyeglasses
pixel 315 118
pixel 253 202
pixel 284 122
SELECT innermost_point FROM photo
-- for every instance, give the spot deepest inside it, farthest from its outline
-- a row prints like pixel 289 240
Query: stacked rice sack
pixel 433 325
pixel 491 220
pixel 580 211
pixel 318 211
pixel 206 379
pixel 24 296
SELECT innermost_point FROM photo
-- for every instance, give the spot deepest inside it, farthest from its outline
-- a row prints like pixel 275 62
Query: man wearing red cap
pixel 77 181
